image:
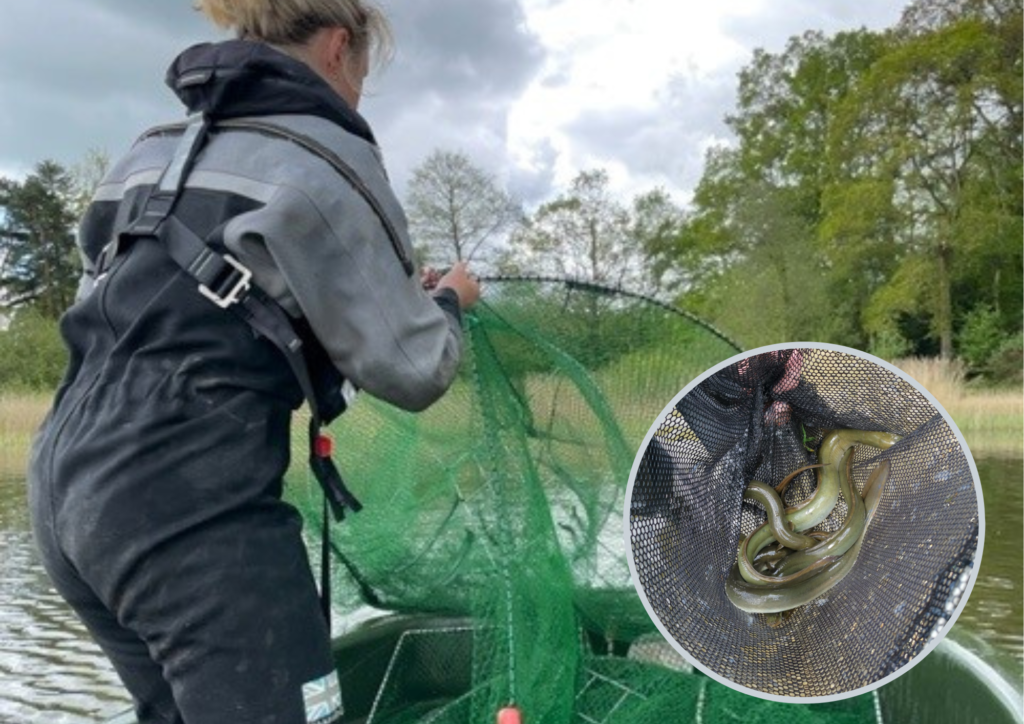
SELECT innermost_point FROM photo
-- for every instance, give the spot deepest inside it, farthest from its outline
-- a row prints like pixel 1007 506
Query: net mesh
pixel 749 422
pixel 501 507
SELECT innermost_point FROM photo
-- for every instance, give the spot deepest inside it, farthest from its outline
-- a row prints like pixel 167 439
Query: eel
pixel 786 594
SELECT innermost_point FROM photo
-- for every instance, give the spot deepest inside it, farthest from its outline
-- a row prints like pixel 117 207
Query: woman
pixel 156 478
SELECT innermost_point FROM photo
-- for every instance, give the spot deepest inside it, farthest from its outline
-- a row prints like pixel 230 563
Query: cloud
pixel 532 90
pixel 532 178
pixel 459 66
pixel 647 100
pixel 95 79
pixel 662 144
pixel 86 74
pixel 771 24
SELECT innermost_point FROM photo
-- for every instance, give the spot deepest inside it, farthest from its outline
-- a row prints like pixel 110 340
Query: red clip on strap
pixel 323 446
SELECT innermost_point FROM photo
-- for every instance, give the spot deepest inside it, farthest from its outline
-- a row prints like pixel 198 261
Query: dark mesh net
pixel 761 419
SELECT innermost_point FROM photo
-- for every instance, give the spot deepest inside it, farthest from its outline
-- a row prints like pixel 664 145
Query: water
pixel 51 671
pixel 995 610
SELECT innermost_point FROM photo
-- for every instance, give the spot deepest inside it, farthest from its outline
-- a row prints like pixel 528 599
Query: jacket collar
pixel 238 78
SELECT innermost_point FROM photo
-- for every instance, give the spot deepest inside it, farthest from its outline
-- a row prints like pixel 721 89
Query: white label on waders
pixel 322 698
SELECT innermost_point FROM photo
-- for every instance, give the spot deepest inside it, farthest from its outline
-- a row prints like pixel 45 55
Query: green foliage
pixel 874 197
pixel 760 302
pixel 39 264
pixel 766 276
pixel 786 102
pixel 582 317
pixel 980 336
pixel 889 344
pixel 929 132
pixel 1007 363
pixel 32 353
pixel 657 226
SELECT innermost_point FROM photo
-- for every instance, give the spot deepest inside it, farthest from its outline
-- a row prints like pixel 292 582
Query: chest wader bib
pixel 156 479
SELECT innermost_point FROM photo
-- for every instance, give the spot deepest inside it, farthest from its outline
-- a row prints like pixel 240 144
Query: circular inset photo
pixel 804 522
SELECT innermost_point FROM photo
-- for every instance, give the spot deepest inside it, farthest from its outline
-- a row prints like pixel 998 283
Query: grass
pixel 20 417
pixel 991 420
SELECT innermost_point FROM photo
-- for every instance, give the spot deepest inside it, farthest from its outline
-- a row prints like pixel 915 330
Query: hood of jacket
pixel 238 78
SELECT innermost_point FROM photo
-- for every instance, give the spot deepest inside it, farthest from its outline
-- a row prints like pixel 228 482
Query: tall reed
pixel 20 416
pixel 991 420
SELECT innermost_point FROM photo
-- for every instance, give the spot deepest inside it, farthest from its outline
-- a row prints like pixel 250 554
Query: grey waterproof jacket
pixel 331 250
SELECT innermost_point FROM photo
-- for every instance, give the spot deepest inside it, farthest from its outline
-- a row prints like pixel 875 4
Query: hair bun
pixel 292 22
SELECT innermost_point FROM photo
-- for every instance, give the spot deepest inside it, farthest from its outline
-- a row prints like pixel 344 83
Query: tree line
pixel 872 198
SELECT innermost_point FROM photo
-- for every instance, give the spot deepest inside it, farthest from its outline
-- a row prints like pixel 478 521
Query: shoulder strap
pixel 338 164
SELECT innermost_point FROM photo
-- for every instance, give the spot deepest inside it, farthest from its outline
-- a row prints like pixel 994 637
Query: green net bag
pixel 494 522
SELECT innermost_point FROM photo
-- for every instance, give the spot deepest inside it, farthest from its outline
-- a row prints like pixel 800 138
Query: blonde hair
pixel 293 22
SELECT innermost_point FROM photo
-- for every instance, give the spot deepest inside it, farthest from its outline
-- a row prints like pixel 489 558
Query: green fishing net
pixel 493 523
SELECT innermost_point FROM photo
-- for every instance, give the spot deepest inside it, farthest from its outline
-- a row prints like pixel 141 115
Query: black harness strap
pixel 228 284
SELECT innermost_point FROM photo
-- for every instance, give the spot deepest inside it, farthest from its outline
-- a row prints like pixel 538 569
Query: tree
pixel 589 235
pixel 86 176
pixel 925 16
pixel 40 265
pixel 757 208
pixel 456 210
pixel 32 352
pixel 785 109
pixel 931 141
pixel 657 226
pixel 580 234
pixel 584 234
pixel 776 287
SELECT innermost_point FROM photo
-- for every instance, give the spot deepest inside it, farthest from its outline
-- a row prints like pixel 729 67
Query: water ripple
pixel 52 671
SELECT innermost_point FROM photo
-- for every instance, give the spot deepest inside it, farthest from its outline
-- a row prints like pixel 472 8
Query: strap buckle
pixel 106 257
pixel 235 284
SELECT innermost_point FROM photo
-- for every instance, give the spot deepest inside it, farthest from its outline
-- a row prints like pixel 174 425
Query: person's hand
pixel 791 373
pixel 779 413
pixel 463 283
pixel 429 277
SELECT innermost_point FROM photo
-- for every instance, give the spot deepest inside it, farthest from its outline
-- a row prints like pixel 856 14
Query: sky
pixel 534 91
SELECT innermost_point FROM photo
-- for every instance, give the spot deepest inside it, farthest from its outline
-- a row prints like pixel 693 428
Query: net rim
pixel 588 285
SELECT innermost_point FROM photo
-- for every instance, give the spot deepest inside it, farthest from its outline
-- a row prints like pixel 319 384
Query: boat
pixel 393 664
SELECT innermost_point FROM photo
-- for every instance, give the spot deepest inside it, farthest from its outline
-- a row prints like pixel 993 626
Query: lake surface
pixel 50 671
pixel 995 610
